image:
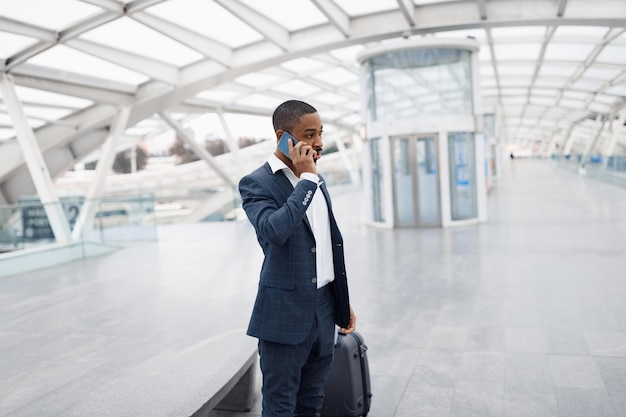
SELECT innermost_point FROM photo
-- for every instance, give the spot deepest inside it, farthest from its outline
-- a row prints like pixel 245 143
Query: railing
pixel 116 220
pixel 610 169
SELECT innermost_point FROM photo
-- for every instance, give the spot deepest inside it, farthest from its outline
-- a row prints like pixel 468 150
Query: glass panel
pixel 602 73
pixel 26 225
pixel 518 51
pixel 378 210
pixel 613 54
pixel 73 61
pixel 54 15
pixel 568 52
pixel 427 182
pixel 489 124
pixel 288 13
pixel 462 176
pixel 360 7
pixel 518 32
pixel 209 19
pixel 336 76
pixel 403 183
pixel 585 32
pixel 404 84
pixel 11 44
pixel 129 35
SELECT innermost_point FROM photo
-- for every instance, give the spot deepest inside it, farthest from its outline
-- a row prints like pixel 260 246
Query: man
pixel 303 291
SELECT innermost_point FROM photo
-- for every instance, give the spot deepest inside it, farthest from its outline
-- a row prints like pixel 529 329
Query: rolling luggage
pixel 348 391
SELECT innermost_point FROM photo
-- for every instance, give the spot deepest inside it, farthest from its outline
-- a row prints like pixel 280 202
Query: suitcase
pixel 348 391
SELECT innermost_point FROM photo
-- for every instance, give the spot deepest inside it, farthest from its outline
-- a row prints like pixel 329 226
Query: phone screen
pixel 283 145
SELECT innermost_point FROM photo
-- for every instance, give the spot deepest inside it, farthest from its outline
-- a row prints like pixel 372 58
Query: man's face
pixel 309 130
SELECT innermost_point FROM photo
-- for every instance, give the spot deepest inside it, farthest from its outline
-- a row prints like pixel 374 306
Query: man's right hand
pixel 302 157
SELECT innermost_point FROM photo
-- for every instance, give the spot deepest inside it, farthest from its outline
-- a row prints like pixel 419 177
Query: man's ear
pixel 279 133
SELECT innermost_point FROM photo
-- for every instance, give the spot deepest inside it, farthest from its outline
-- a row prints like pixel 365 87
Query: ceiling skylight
pixel 129 35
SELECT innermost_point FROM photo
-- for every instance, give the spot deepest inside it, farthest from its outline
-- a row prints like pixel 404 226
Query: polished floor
pixel 524 315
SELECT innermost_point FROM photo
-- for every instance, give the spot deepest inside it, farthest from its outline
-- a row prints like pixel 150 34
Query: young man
pixel 303 291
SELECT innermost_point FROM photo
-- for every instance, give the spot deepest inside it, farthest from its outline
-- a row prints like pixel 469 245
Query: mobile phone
pixel 283 145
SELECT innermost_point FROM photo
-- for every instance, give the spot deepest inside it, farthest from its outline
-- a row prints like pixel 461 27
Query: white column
pixel 233 146
pixel 480 155
pixel 84 223
pixel 585 157
pixel 354 177
pixel 614 129
pixel 35 162
pixel 568 142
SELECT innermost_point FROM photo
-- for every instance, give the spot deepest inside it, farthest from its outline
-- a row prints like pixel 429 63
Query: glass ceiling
pixel 546 67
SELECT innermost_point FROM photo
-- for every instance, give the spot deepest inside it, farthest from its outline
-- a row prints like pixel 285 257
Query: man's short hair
pixel 287 114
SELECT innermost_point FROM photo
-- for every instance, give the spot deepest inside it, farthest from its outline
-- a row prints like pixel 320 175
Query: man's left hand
pixel 351 325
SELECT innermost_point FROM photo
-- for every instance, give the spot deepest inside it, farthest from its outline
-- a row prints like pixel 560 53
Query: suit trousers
pixel 294 375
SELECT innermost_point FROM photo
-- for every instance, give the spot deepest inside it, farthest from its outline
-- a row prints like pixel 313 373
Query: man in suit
pixel 303 291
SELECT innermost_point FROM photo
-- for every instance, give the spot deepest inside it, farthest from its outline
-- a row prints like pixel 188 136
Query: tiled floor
pixel 522 316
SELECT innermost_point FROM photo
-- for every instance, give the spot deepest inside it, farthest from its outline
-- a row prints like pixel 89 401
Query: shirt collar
pixel 276 164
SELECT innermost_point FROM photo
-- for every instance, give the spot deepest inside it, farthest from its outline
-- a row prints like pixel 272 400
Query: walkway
pixel 524 316
pixel 521 316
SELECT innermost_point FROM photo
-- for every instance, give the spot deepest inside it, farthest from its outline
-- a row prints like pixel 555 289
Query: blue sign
pixel 35 224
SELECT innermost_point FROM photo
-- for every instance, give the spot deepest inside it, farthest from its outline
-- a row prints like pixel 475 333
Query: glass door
pixel 427 182
pixel 403 182
pixel 415 181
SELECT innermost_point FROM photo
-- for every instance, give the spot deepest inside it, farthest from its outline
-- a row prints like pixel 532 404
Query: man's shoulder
pixel 263 170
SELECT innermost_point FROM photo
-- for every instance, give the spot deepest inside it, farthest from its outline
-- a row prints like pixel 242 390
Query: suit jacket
pixel 284 309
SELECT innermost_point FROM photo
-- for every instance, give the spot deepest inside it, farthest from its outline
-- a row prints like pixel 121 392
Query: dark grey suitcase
pixel 348 392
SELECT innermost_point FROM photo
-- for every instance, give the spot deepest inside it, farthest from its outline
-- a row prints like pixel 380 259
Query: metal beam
pixel 35 162
pixel 26 29
pixel 585 157
pixel 267 27
pixel 90 88
pixel 616 125
pixel 482 9
pixel 199 150
pixel 560 9
pixel 84 222
pixel 337 17
pixel 232 143
pixel 206 46
pixel 408 10
pixel 111 5
pixel 143 65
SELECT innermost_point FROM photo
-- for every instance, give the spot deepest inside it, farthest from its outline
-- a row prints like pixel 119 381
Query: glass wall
pixel 117 219
pixel 428 156
pixel 462 175
pixel 403 182
pixel 416 190
pixel 427 182
pixel 419 82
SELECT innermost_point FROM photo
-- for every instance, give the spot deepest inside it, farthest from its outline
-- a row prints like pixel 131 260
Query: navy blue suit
pixel 289 314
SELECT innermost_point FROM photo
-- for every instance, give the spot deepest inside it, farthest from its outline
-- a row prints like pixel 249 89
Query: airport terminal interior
pixel 474 150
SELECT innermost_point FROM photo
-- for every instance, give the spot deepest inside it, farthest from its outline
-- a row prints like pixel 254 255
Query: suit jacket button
pixel 314 280
pixel 313 250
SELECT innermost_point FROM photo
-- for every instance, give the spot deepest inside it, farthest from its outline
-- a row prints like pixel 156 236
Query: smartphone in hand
pixel 283 145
